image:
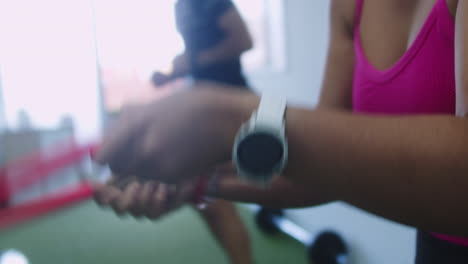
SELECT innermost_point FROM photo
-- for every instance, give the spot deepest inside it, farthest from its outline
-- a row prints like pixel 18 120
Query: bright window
pixel 48 64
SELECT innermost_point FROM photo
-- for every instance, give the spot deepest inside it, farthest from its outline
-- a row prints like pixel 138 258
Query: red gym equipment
pixel 25 172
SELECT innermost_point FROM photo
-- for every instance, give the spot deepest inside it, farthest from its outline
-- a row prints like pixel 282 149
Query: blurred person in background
pixel 215 37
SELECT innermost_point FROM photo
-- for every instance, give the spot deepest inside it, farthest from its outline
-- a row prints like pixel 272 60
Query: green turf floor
pixel 87 234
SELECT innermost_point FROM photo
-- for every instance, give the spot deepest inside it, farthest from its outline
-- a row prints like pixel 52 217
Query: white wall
pixel 2 123
pixel 306 40
pixel 372 239
pixel 2 107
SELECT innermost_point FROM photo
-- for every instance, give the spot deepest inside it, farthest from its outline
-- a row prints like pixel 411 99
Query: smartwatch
pixel 260 149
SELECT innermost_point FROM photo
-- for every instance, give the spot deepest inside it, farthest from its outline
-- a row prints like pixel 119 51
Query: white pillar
pixel 3 124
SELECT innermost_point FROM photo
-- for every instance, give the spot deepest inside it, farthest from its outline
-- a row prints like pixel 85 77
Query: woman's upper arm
pixel 337 84
pixel 461 58
pixel 232 23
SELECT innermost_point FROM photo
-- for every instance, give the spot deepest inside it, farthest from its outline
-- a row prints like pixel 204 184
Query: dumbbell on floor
pixel 327 247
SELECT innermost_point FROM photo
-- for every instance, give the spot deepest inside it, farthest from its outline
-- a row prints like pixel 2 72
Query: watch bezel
pixel 243 172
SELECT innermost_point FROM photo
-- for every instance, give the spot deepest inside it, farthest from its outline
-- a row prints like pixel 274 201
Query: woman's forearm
pixel 410 169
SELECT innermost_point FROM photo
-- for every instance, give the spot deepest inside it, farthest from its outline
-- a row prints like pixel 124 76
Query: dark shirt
pixel 198 23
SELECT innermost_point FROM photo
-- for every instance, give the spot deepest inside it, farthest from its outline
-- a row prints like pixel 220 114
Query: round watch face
pixel 260 153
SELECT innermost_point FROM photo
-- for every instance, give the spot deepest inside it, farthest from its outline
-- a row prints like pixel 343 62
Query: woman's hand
pixel 149 199
pixel 175 138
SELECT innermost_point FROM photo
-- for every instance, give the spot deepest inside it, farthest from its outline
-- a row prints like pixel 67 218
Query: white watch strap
pixel 271 112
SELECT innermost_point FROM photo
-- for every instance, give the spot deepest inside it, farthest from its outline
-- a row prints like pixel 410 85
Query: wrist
pixel 237 108
pixel 305 160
